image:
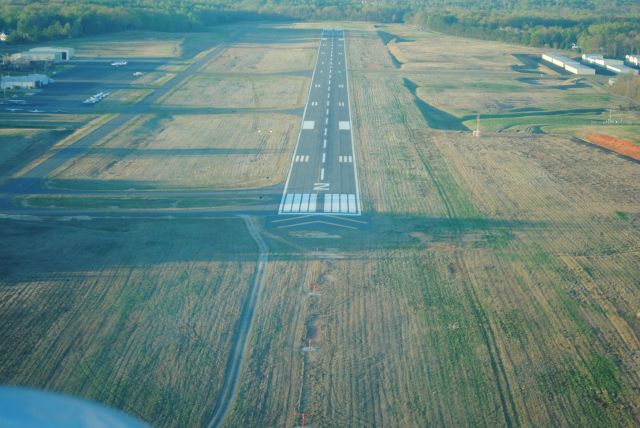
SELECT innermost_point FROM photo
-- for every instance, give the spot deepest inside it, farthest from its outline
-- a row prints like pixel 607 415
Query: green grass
pixel 437 119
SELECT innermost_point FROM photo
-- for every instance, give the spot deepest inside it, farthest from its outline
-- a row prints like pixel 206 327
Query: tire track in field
pixel 232 373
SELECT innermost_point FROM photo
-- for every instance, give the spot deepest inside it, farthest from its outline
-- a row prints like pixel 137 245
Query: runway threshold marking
pixel 336 192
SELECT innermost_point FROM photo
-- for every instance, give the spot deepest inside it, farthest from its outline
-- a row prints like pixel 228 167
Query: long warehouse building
pixel 568 64
pixel 29 81
pixel 614 65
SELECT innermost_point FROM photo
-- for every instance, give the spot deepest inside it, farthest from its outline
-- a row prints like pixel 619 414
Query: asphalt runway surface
pixel 323 176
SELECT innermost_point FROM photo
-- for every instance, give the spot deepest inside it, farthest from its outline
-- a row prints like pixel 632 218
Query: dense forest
pixel 608 26
pixel 611 35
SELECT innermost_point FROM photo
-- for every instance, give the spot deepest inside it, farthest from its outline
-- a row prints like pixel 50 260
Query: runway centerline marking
pixel 302 194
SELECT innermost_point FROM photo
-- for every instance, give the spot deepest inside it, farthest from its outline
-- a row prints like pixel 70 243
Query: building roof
pixel 49 49
pixel 26 78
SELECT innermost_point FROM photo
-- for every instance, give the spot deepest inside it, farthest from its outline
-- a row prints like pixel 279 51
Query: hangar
pixel 28 81
pixel 45 53
pixel 614 65
pixel 568 64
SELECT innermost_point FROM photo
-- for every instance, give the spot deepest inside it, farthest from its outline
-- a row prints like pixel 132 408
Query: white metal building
pixel 46 53
pixel 65 53
pixel 568 64
pixel 614 65
pixel 29 81
pixel 633 59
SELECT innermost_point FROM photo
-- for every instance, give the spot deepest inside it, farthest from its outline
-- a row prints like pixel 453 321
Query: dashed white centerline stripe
pixel 338 203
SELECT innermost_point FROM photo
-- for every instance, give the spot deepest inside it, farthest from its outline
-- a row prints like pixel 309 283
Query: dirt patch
pixel 618 145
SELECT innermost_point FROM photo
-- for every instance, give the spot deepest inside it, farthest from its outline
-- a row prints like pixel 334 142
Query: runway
pixel 323 177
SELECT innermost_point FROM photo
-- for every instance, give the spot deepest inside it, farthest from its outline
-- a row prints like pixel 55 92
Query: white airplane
pixel 138 74
pixel 119 63
pixel 13 109
pixel 35 110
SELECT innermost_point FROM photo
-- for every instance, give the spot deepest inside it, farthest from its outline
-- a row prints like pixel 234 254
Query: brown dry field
pixel 495 284
pixel 498 285
pixel 191 151
pixel 116 312
pixel 260 59
pixel 146 44
pixel 264 92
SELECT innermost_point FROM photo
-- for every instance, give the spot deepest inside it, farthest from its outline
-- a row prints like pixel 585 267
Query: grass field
pixel 189 151
pixel 20 145
pixel 117 312
pixel 251 59
pixel 494 284
pixel 264 92
pixel 145 44
pixel 497 287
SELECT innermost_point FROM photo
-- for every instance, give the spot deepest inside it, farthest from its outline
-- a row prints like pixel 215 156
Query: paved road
pixel 323 177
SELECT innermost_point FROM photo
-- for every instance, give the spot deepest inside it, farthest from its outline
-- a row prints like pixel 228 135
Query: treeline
pixel 612 36
pixel 611 26
pixel 31 21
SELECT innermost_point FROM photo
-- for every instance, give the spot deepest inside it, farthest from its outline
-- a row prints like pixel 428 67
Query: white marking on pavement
pixel 308 124
pixel 327 202
pixel 344 125
pixel 352 204
pixel 322 174
pixel 324 157
pixel 287 203
pixel 335 203
pixel 312 202
pixel 296 202
pixel 344 206
pixel 304 205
